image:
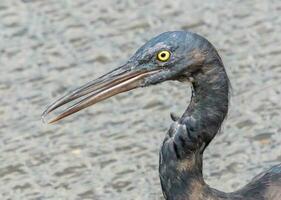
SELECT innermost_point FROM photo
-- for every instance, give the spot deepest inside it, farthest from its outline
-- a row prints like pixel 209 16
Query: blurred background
pixel 110 151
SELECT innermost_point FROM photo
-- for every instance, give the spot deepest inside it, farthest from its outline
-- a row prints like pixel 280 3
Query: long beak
pixel 117 81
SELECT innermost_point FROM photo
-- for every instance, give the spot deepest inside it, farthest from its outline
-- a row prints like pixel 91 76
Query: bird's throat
pixel 204 116
pixel 209 102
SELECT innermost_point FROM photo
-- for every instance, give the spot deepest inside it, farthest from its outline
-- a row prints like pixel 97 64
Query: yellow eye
pixel 163 55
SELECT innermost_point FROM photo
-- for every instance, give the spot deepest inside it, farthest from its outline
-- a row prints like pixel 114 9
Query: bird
pixel 191 59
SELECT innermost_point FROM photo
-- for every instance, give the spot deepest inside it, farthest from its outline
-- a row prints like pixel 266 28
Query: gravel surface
pixel 110 151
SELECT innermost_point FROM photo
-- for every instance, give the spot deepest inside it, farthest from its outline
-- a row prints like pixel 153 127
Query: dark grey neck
pixel 203 119
pixel 209 103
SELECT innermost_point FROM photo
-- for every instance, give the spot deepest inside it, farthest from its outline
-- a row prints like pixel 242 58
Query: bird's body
pixel 181 56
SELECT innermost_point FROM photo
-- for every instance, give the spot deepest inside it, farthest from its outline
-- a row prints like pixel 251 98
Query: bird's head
pixel 169 56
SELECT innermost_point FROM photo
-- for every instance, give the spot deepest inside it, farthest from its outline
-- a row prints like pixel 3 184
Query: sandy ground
pixel 110 151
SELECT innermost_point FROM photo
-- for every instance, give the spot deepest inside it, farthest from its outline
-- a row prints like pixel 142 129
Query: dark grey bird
pixel 185 57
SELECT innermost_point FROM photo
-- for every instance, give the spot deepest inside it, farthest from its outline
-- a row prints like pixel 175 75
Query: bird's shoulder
pixel 266 185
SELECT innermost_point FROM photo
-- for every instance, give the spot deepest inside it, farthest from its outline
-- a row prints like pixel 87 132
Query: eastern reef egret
pixel 185 57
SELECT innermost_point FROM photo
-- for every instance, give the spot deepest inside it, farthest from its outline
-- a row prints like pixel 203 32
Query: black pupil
pixel 163 55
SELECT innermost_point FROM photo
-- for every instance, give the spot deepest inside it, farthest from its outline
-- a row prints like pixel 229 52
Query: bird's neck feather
pixel 207 110
pixel 209 102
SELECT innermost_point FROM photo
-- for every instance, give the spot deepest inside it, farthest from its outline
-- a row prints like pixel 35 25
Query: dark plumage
pixel 186 57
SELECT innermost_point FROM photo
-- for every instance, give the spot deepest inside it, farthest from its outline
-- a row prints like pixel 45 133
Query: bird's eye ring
pixel 163 55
